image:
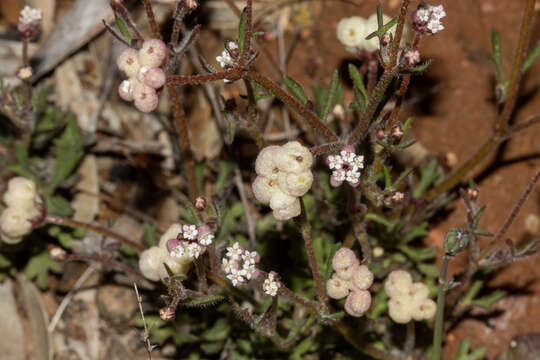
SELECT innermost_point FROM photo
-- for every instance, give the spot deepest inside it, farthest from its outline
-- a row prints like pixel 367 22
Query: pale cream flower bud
pixel 398 283
pixel 264 188
pixel 288 212
pixel 358 303
pixel 425 310
pixel 154 77
pixel 344 258
pixel 265 164
pixel 128 62
pixel 400 309
pixel 418 291
pixel 14 224
pixel 295 184
pixel 171 233
pixel 152 53
pixel 150 261
pixel 347 273
pixel 125 90
pixel 362 278
pixel 145 97
pixel 337 288
pixel 280 200
pixel 19 190
pixel 293 157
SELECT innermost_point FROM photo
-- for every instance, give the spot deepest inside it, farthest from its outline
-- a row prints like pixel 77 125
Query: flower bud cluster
pixel 177 248
pixel 283 175
pixel 345 167
pixel 350 280
pixel 239 264
pixel 427 20
pixel 408 300
pixel 271 284
pixel 352 33
pixel 23 205
pixel 229 55
pixel 29 22
pixel 142 67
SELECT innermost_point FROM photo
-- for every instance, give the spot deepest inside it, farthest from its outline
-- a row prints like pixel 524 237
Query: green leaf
pixel 478 353
pixel 381 220
pixel 418 255
pixel 224 170
pixel 57 205
pixel 242 31
pixel 38 268
pixel 478 215
pixel 301 349
pixel 387 178
pixel 21 170
pixel 496 56
pixel 204 301
pixel 418 68
pixel 296 89
pixel 334 84
pixel 379 304
pixel 149 237
pixel 463 349
pixel 4 262
pixel 68 153
pixel 487 301
pixel 415 232
pixel 219 331
pixel 407 123
pixel 358 83
pixel 120 23
pixel 472 292
pixel 429 269
pixel 400 178
pixel 531 57
pixel 382 30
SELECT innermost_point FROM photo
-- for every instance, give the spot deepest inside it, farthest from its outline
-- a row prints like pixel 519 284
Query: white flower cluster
pixel 408 300
pixel 350 280
pixel 142 67
pixel 345 167
pixel 352 33
pixel 23 205
pixel 429 18
pixel 231 264
pixel 177 248
pixel 283 175
pixel 271 284
pixel 226 60
pixel 30 15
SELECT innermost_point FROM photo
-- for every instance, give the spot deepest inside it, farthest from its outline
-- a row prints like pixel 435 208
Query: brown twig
pixel 246 49
pixel 204 78
pixel 151 19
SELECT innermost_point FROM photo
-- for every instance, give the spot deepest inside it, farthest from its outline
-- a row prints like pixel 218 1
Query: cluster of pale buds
pixel 240 264
pixel 427 19
pixel 283 175
pixel 350 280
pixel 178 247
pixel 408 300
pixel 29 22
pixel 142 67
pixel 345 167
pixel 23 206
pixel 271 284
pixel 229 55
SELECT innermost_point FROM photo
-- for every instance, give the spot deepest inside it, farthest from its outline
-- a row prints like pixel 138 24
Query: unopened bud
pixel 398 197
pixel 58 254
pixel 455 241
pixel 191 4
pixel 380 134
pixel 411 57
pixel 167 313
pixel 200 203
pixel 386 39
pixel 397 132
pixel 24 73
pixel 472 193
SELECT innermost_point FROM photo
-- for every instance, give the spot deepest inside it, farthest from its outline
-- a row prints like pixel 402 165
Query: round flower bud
pixel 152 53
pixel 289 212
pixel 154 77
pixel 362 278
pixel 146 99
pixel 171 233
pixel 425 310
pixel 293 157
pixel 419 292
pixel 350 32
pixel 150 261
pixel 347 273
pixel 358 303
pixel 128 62
pixel 125 90
pixel 344 258
pixel 19 190
pixel 399 309
pixel 178 266
pixel 264 188
pixel 295 184
pixel 280 200
pixel 200 203
pixel 14 224
pixel 265 164
pixel 167 313
pixel 398 283
pixel 337 288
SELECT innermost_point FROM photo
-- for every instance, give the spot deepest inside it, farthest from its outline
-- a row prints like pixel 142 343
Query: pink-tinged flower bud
pixel 411 57
pixel 172 244
pixel 146 99
pixel 155 78
pixel 152 53
pixel 348 148
pixel 128 62
pixel 191 4
pixel 200 203
pixel 347 273
pixel 362 278
pixel 399 309
pixel 344 258
pixel 425 310
pixel 29 22
pixel 337 288
pixel 398 283
pixel 125 90
pixel 386 39
pixel 358 303
pixel 57 254
pixel 167 313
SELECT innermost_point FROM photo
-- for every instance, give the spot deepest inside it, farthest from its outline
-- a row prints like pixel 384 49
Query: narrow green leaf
pixel 487 301
pixel 418 255
pixel 204 301
pixel 358 82
pixel 57 205
pixel 407 123
pixel 382 30
pixel 296 89
pixel 463 349
pixel 418 68
pixel 429 269
pixel 242 31
pixel 531 57
pixel 219 331
pixel 387 178
pixel 416 231
pixel 478 353
pixel 334 84
pixel 496 56
pixel 473 291
pixel 402 176
pixel 476 219
pixel 120 23
pixel 68 153
pixel 379 219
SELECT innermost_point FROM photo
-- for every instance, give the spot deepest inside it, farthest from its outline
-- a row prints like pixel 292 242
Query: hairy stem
pixel 151 19
pixel 227 285
pixel 439 316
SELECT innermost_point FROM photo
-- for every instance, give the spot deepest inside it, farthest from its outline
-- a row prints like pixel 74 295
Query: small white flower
pixel 358 162
pixel 190 232
pixel 225 59
pixel 249 270
pixel 29 15
pixel 178 251
pixel 194 250
pixel 352 176
pixel 423 14
pixel 206 239
pixel 437 12
pixel 249 257
pixel 234 46
pixel 347 156
pixel 228 266
pixel 236 277
pixel 339 175
pixel 235 252
pixel 435 26
pixel 270 285
pixel 335 162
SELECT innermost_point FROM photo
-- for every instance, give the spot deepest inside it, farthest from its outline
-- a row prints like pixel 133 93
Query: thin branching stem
pixel 248 34
pixel 399 33
pixel 204 78
pixel 120 9
pixel 107 261
pixel 439 316
pixel 151 19
pixel 233 290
